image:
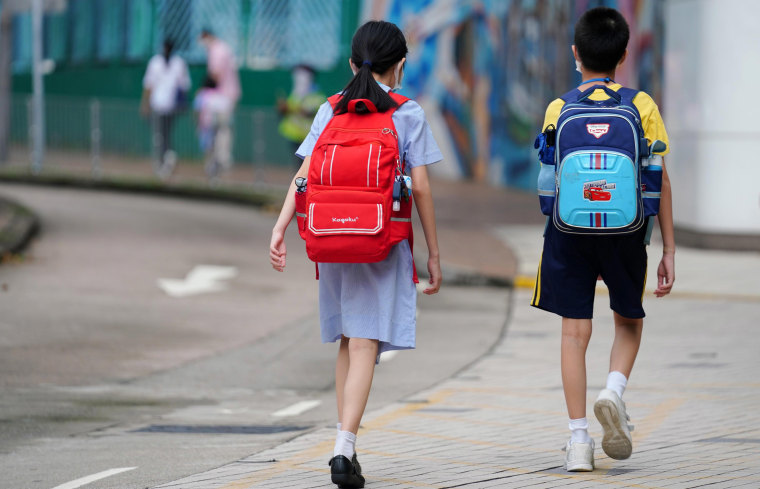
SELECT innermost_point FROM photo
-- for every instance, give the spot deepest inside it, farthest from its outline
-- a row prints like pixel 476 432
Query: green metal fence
pixel 73 123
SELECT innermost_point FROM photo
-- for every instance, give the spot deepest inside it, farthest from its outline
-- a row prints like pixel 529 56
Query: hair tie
pixel 368 63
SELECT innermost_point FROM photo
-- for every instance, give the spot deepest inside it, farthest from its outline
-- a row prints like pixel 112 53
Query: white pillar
pixel 712 75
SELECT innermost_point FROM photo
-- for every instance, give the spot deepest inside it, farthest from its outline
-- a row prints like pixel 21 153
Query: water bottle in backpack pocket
pixel 651 179
pixel 547 178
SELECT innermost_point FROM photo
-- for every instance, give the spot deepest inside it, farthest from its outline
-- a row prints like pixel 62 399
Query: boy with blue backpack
pixel 602 181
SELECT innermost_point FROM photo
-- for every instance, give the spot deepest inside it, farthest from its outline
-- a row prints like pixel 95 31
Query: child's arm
pixel 423 198
pixel 277 250
pixel 666 272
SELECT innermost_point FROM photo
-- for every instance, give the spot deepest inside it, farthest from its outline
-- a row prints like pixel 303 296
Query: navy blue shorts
pixel 571 263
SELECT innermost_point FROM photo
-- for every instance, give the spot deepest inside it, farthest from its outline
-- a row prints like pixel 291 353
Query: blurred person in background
pixel 211 107
pixel 299 109
pixel 165 87
pixel 222 69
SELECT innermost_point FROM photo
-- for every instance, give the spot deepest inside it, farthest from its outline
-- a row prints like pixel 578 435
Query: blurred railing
pixel 94 133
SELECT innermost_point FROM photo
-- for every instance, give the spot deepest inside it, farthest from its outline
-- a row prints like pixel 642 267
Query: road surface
pixel 110 377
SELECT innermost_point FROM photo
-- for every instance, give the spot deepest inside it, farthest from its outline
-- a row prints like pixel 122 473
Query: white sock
pixel 344 444
pixel 617 382
pixel 338 426
pixel 579 430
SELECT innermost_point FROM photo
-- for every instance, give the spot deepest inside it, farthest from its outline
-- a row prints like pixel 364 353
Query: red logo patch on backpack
pixel 597 130
pixel 346 213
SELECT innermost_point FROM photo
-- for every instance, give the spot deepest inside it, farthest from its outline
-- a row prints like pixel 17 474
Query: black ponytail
pixel 376 47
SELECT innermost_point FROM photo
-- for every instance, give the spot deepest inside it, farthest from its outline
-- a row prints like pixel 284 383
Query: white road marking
pixel 202 279
pixel 92 478
pixel 297 408
pixel 387 356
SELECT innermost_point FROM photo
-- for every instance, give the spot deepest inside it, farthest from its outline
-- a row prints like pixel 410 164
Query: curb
pixel 149 186
pixel 22 227
pixel 255 198
pixel 462 276
pixel 470 278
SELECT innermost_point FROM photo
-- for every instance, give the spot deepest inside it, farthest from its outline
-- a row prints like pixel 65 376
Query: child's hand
pixel 666 275
pixel 434 270
pixel 277 251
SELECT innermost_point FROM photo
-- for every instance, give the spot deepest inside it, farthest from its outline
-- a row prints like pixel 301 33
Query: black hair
pixel 209 82
pixel 375 48
pixel 601 37
pixel 168 48
pixel 306 67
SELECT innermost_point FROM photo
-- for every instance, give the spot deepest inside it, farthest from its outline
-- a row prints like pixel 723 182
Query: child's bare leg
pixel 362 355
pixel 609 407
pixel 341 371
pixel 576 334
pixel 625 347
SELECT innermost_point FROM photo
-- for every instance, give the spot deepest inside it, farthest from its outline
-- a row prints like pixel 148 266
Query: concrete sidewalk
pixel 693 396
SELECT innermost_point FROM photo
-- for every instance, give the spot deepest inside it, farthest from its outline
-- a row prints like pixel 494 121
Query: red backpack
pixel 346 213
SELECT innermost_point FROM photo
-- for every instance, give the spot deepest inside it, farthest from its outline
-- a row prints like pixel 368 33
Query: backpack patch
pixel 598 130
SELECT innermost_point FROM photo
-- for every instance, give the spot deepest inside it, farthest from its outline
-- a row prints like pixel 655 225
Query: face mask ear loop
pixel 397 73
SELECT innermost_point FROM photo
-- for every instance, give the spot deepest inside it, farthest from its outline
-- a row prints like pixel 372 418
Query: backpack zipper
pixel 385 130
pixel 388 130
pixel 624 108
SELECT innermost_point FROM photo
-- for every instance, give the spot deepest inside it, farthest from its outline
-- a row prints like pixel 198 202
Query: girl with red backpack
pixel 366 133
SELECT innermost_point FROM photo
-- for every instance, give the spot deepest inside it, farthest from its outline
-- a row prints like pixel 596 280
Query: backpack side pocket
pixel 651 186
pixel 547 186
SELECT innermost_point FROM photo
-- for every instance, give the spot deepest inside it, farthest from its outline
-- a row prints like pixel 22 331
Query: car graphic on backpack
pixel 596 194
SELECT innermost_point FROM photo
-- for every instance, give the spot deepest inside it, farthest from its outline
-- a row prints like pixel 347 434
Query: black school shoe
pixel 347 474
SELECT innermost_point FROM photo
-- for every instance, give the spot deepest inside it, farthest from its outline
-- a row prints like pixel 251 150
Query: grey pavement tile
pixel 505 415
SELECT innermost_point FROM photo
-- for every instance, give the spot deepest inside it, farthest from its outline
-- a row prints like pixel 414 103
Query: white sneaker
pixel 609 409
pixel 579 457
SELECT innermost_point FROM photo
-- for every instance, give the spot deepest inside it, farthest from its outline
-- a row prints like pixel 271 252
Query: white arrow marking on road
pixel 93 478
pixel 297 408
pixel 201 280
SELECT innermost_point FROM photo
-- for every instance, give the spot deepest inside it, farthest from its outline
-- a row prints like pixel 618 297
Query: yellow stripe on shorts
pixel 646 274
pixel 537 288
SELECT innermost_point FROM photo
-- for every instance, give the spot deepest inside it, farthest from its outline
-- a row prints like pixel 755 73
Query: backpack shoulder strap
pixel 627 95
pixel 570 96
pixel 398 98
pixel 334 100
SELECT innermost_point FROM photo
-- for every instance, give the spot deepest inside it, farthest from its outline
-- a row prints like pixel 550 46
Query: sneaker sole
pixel 580 468
pixel 615 443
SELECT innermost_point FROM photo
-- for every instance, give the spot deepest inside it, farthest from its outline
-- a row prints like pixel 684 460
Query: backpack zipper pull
pixel 388 130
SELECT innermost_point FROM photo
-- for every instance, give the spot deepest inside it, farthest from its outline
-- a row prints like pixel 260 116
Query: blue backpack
pixel 596 176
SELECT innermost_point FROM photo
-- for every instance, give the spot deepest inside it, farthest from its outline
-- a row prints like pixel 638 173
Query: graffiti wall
pixel 485 70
